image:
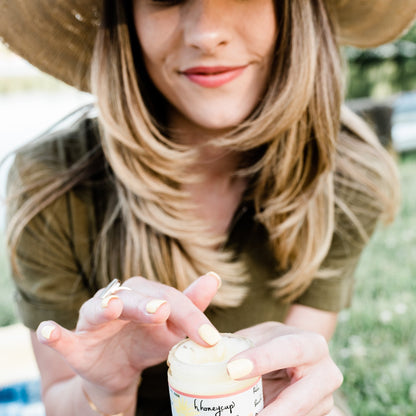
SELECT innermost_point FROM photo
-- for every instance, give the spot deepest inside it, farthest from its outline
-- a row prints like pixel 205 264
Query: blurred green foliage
pixel 382 71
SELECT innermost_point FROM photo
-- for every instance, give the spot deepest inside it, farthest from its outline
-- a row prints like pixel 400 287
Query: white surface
pixel 17 362
pixel 25 115
pixel 404 136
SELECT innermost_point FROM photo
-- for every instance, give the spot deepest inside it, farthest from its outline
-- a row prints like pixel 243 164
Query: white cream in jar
pixel 199 383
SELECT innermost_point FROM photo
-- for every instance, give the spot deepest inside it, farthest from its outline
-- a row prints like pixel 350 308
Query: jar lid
pixel 200 370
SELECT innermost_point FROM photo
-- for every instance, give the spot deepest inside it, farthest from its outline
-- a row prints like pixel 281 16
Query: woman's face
pixel 210 58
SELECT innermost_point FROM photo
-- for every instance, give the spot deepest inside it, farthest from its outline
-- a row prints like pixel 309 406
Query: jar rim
pixel 206 364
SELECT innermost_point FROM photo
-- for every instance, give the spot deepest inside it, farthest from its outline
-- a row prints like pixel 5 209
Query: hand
pixel 299 376
pixel 118 337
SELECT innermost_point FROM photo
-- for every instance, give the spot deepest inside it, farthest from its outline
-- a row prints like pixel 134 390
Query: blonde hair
pixel 296 158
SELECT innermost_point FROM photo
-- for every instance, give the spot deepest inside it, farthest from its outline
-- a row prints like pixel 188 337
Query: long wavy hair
pixel 295 157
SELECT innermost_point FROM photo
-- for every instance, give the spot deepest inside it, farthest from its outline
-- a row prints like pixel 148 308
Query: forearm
pixel 70 397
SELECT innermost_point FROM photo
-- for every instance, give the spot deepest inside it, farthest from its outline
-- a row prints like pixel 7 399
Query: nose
pixel 206 25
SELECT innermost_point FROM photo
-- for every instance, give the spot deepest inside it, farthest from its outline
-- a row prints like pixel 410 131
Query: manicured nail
pixel 239 368
pixel 217 277
pixel 209 334
pixel 121 288
pixel 47 330
pixel 153 305
pixel 106 300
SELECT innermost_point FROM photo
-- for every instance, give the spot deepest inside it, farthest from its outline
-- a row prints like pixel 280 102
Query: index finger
pixel 285 351
pixel 187 311
pixel 186 317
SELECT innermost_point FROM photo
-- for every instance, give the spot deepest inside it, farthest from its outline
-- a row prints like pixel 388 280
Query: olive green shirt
pixel 54 253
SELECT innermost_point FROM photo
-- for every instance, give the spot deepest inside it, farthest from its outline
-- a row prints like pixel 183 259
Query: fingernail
pixel 47 330
pixel 217 277
pixel 121 288
pixel 153 305
pixel 209 334
pixel 239 368
pixel 106 300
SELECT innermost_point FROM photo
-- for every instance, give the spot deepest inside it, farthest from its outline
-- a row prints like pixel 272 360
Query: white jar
pixel 199 384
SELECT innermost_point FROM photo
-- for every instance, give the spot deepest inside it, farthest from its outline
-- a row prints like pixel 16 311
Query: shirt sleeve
pixel 53 257
pixel 333 293
pixel 334 288
pixel 49 278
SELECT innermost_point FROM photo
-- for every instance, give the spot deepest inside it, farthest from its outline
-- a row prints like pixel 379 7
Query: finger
pixel 188 319
pixel 324 407
pixel 144 309
pixel 185 318
pixel 57 337
pixel 306 397
pixel 203 290
pixel 127 305
pixel 265 331
pixel 200 292
pixel 286 351
pixel 97 311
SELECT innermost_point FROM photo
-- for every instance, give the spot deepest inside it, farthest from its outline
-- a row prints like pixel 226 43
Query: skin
pixel 299 375
pixel 208 33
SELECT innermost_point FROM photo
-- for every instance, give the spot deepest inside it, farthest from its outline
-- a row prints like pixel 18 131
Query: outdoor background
pixel 375 343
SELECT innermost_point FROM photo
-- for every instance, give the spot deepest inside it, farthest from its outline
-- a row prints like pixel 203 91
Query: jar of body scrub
pixel 199 384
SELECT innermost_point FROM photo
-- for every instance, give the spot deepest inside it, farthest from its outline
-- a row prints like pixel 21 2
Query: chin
pixel 219 121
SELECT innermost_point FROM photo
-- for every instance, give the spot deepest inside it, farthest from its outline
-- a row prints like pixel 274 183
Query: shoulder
pixel 61 177
pixel 69 154
pixel 359 152
pixel 365 180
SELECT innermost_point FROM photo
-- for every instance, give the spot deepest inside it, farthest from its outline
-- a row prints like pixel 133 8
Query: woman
pixel 218 146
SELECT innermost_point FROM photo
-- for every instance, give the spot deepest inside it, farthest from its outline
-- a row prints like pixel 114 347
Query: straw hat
pixel 57 36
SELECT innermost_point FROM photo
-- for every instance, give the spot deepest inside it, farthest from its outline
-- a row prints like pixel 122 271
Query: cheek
pixel 147 37
pixel 155 31
pixel 261 30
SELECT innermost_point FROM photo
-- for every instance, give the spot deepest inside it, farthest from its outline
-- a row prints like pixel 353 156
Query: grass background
pixel 375 342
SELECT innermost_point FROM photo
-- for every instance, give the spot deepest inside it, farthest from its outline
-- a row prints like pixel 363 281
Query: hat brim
pixel 58 36
pixel 55 36
pixel 367 24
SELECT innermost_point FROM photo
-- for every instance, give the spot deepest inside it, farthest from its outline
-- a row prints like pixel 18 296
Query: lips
pixel 213 76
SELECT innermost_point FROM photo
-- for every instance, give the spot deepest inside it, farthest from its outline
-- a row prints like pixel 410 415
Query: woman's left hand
pixel 299 376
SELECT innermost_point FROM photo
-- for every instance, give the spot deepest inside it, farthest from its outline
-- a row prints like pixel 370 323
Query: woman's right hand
pixel 119 336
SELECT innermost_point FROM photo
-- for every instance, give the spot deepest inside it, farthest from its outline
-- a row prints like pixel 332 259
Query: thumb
pixel 57 337
pixel 202 291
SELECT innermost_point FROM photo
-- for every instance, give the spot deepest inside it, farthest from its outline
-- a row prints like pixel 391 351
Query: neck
pixel 213 162
pixel 218 192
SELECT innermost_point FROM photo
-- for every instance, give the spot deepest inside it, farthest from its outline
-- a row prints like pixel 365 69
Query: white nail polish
pixel 239 368
pixel 106 301
pixel 153 305
pixel 217 277
pixel 47 330
pixel 209 334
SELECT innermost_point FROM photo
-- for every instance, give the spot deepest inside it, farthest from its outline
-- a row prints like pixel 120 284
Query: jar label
pixel 243 403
